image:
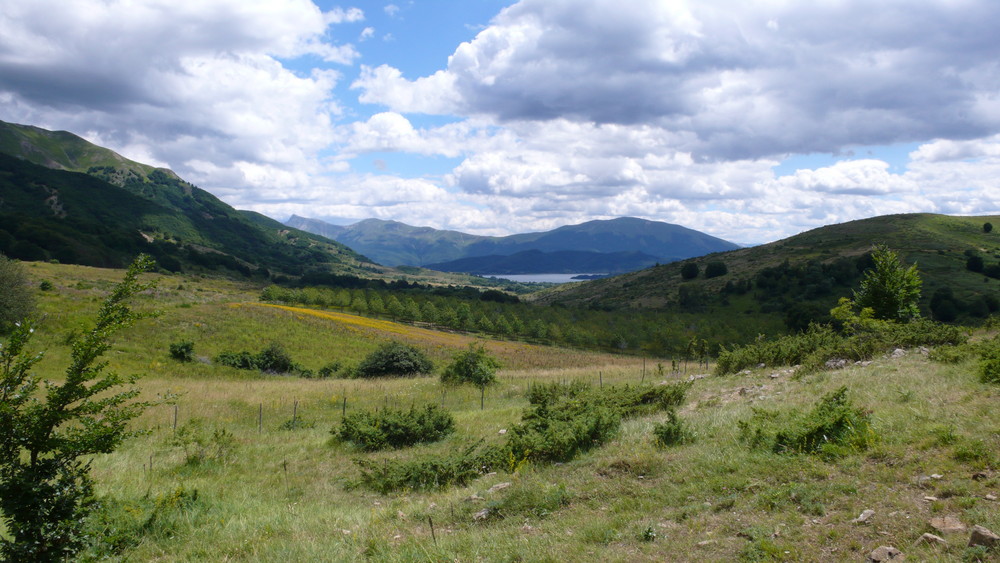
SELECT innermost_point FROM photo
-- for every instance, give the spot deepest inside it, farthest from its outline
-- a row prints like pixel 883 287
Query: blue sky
pixel 749 120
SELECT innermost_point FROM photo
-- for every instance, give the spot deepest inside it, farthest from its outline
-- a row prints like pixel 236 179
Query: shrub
pixel 238 360
pixel 273 359
pixel 458 468
pixel 199 447
pixel 562 422
pixel 475 366
pixel 832 427
pixel 331 369
pixel 392 428
pixel 182 351
pixel 17 302
pixel 394 359
pixel 863 339
pixel 672 432
pixel 45 487
pixel 989 364
pixel 715 269
pixel 689 271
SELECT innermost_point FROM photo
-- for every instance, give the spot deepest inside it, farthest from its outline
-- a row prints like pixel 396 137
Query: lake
pixel 539 278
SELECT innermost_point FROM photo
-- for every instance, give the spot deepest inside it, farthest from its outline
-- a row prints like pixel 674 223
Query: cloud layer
pixel 553 114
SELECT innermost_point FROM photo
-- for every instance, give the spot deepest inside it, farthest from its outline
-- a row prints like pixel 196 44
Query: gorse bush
pixel 833 427
pixel 458 468
pixel 182 351
pixel 862 338
pixel 273 359
pixel 562 422
pixel 394 428
pixel 672 432
pixel 394 359
pixel 201 447
pixel 989 363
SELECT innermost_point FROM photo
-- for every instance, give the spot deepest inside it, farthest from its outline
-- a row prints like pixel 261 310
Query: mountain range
pixel 613 246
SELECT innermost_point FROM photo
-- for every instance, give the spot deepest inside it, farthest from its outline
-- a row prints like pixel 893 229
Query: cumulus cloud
pixel 744 80
pixel 180 82
pixel 555 112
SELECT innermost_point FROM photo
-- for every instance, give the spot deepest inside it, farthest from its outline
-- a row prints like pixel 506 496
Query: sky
pixel 749 120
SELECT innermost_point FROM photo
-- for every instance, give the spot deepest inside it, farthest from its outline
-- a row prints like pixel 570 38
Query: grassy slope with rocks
pixel 218 487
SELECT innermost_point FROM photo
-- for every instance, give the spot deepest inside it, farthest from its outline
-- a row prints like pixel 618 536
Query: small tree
pixel 715 269
pixel 889 289
pixel 46 428
pixel 17 301
pixel 475 366
pixel 394 359
pixel 987 227
pixel 689 271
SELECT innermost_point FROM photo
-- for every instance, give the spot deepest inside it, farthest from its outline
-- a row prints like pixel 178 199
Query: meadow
pixel 242 466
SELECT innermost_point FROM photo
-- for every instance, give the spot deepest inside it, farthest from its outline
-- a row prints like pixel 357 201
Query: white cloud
pixel 676 111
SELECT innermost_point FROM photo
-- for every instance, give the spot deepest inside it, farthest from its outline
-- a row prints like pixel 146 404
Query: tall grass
pixel 293 495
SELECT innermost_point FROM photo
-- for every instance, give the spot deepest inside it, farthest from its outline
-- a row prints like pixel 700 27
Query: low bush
pixel 672 432
pixel 201 447
pixel 332 369
pixel 989 363
pixel 392 428
pixel 862 339
pixel 182 351
pixel 394 359
pixel 562 422
pixel 459 468
pixel 273 359
pixel 833 427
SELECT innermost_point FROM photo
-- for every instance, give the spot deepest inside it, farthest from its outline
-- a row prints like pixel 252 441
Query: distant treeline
pixel 500 315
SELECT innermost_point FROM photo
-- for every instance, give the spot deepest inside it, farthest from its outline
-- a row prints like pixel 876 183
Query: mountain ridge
pixel 394 243
pixel 65 198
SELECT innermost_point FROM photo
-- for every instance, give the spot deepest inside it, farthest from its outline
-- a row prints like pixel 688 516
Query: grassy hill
pixel 805 274
pixel 240 466
pixel 64 198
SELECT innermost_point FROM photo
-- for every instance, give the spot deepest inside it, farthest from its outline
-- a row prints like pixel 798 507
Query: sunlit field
pixel 241 466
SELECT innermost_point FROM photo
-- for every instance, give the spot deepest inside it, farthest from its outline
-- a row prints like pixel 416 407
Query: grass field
pixel 223 475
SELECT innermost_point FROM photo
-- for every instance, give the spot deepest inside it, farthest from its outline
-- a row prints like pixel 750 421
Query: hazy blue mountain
pixel 393 243
pixel 556 262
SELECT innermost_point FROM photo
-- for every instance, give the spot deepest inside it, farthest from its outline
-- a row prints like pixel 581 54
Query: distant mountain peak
pixel 394 243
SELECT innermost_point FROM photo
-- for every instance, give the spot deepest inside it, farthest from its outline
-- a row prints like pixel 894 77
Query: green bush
pixel 331 369
pixel 459 468
pixel 238 360
pixel 475 366
pixel 862 339
pixel 563 421
pixel 989 364
pixel 394 359
pixel 673 432
pixel 200 447
pixel 392 428
pixel 182 351
pixel 833 427
pixel 273 359
pixel 17 301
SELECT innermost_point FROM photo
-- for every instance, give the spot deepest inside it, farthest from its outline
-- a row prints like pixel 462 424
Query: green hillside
pixel 66 199
pixel 800 278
